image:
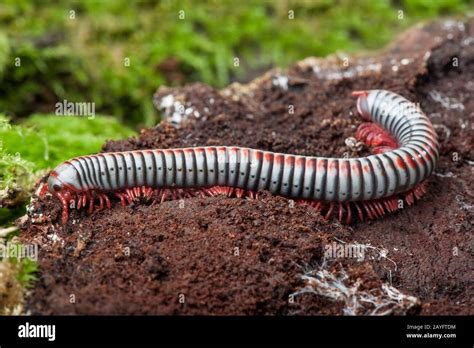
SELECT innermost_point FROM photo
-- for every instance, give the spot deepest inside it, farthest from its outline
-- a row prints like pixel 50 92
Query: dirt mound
pixel 233 256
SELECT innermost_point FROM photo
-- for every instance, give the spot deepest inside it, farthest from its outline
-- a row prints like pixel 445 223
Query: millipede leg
pixel 107 201
pixel 359 211
pixel 366 207
pixel 64 202
pixel 318 206
pixel 377 138
pixel 349 214
pixel 130 195
pixel 329 212
pixel 79 202
pixel 147 192
pixel 122 198
pixel 341 212
pixel 173 194
pixel 379 208
pixel 372 209
pixel 84 200
pixel 409 198
pixel 101 201
pixel 91 205
pixel 164 195
pixel 208 192
pixel 387 205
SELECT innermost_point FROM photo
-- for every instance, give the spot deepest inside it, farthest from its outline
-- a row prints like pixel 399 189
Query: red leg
pixel 65 204
pixel 409 198
pixel 173 194
pixel 379 208
pixel 107 201
pixel 147 192
pixel 208 192
pixel 369 212
pixel 84 200
pixel 341 212
pixel 130 196
pixel 164 195
pixel 376 137
pixel 329 213
pixel 318 206
pixel 79 201
pixel 349 214
pixel 372 209
pixel 91 204
pixel 101 201
pixel 387 205
pixel 122 198
pixel 361 215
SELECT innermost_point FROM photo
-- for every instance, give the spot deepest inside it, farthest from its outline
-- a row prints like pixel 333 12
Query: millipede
pixel 404 146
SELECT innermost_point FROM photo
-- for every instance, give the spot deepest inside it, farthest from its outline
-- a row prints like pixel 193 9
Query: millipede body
pixel 405 150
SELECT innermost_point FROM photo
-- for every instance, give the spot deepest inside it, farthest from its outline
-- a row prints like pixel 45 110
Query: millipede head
pixel 64 177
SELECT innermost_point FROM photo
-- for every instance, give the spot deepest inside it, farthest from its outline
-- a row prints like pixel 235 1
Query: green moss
pixel 67 137
pixel 47 140
pixel 26 275
pixel 42 142
pixel 16 173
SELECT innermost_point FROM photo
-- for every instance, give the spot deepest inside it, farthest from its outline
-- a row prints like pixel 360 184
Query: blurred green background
pixel 117 53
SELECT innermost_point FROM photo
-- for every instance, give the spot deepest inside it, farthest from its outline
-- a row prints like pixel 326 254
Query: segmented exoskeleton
pixel 405 155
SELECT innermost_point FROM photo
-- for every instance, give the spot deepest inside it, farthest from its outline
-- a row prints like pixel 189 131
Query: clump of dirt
pixel 234 256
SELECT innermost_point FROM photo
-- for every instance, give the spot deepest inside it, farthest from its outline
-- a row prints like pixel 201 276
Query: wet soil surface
pixel 229 256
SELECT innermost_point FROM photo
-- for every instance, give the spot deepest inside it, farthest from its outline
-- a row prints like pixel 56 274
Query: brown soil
pixel 235 256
